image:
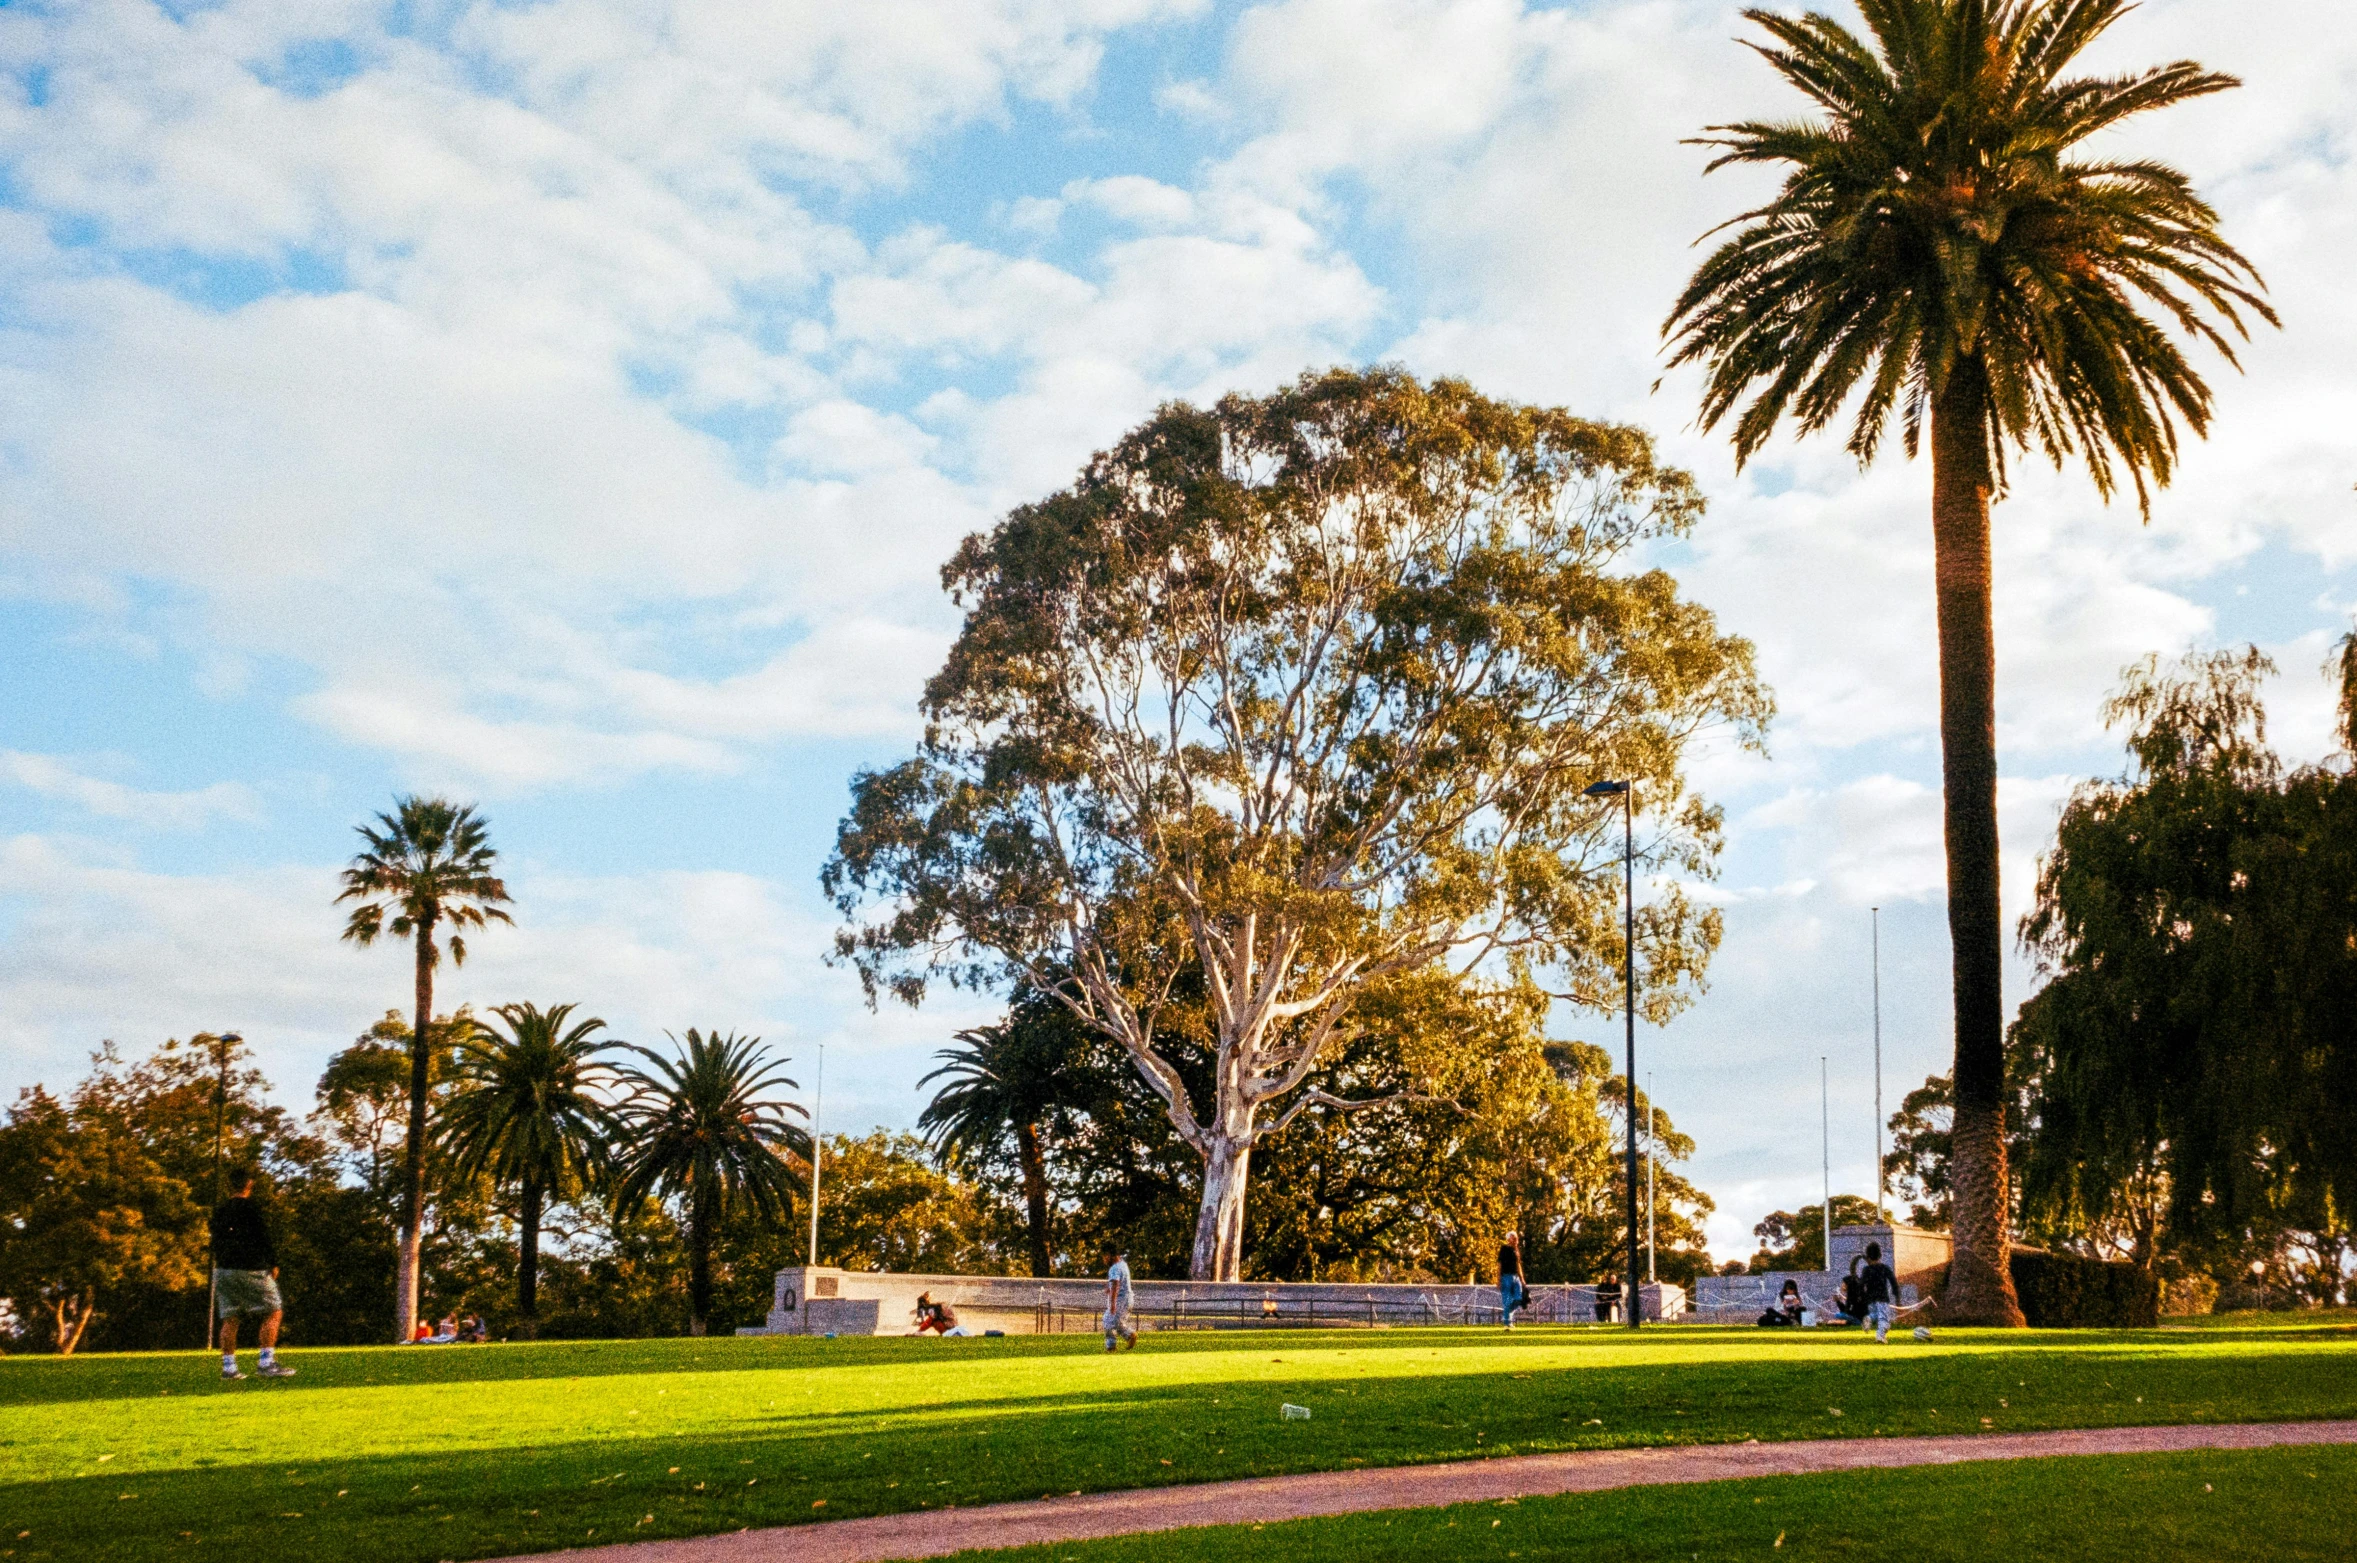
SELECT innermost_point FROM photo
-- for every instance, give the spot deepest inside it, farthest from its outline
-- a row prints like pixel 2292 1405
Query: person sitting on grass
pixel 474 1331
pixel 1786 1312
pixel 940 1318
pixel 1850 1307
pixel 245 1276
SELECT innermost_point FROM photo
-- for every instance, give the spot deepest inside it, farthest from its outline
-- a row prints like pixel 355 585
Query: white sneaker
pixel 275 1370
pixel 229 1370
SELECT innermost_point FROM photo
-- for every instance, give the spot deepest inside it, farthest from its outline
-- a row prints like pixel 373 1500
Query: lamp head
pixel 230 1036
pixel 1607 789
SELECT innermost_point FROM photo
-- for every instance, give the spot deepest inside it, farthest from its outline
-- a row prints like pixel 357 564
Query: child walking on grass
pixel 1880 1286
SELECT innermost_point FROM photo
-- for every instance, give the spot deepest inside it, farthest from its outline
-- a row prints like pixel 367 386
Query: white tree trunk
pixel 1219 1225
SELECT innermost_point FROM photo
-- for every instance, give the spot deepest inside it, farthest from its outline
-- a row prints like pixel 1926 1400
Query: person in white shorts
pixel 1119 1300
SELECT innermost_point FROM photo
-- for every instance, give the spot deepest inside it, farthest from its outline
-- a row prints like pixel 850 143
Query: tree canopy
pixel 2193 1056
pixel 1288 696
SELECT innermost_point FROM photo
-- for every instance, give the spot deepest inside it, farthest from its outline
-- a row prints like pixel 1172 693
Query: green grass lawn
pixel 456 1452
pixel 2276 1505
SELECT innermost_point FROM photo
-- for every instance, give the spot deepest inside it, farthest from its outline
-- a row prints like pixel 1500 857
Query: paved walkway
pixel 1261 1499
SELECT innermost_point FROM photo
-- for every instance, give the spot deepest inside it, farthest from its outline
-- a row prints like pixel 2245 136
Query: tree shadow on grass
pixel 140 1375
pixel 794 1465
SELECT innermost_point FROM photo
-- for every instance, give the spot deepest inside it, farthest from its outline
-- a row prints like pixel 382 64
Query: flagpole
pixel 1825 1130
pixel 1881 1207
pixel 818 1104
pixel 1650 1150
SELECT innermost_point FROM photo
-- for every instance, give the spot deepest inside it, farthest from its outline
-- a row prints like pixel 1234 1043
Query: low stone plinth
pixel 826 1301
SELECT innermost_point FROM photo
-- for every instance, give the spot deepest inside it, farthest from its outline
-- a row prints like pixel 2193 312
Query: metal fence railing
pixel 1275 1310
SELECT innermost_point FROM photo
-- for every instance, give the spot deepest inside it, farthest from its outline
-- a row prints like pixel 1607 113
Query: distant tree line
pixel 104 1191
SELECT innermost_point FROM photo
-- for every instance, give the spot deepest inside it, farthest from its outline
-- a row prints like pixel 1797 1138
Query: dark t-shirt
pixel 1878 1283
pixel 1509 1262
pixel 241 1239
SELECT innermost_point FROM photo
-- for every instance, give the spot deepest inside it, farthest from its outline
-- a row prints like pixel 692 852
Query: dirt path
pixel 925 1535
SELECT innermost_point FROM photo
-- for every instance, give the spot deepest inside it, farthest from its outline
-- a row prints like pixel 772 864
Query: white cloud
pixel 543 404
pixel 101 949
pixel 53 778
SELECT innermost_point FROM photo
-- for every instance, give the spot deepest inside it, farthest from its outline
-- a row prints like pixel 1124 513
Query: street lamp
pixel 1627 793
pixel 220 1126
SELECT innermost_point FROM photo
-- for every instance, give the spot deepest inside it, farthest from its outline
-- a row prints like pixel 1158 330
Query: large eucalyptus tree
pixel 1286 696
pixel 1947 250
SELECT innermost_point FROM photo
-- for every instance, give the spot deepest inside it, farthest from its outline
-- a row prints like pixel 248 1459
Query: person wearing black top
pixel 245 1276
pixel 1512 1294
pixel 1607 1299
pixel 1880 1286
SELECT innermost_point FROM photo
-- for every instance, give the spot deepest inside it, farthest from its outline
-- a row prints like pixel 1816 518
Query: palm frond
pixel 526 1106
pixel 702 1125
pixel 1933 220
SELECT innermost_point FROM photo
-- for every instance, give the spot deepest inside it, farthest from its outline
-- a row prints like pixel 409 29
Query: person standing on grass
pixel 1119 1300
pixel 1511 1292
pixel 1879 1284
pixel 245 1276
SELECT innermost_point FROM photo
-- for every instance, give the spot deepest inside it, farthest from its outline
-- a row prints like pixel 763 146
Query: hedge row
pixel 2062 1291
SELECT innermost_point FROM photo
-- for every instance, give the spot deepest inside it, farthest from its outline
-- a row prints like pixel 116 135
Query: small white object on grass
pixel 1294 1413
pixel 1923 1332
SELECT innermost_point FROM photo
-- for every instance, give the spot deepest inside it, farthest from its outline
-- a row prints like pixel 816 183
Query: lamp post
pixel 220 1131
pixel 1633 1299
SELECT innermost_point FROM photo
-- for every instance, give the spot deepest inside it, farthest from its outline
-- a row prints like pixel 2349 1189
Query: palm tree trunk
pixel 1980 1285
pixel 413 1155
pixel 699 1266
pixel 528 1266
pixel 1035 1193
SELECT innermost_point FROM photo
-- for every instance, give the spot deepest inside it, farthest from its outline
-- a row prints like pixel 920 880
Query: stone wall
pixel 1916 1255
pixel 826 1301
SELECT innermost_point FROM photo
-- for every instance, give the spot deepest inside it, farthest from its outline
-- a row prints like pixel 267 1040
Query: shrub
pixel 2064 1291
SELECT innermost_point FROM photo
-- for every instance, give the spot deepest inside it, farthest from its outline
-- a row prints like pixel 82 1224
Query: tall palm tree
pixel 1005 1082
pixel 1941 250
pixel 702 1128
pixel 428 863
pixel 523 1111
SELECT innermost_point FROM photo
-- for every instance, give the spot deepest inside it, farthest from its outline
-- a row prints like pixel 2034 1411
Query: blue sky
pixel 569 404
